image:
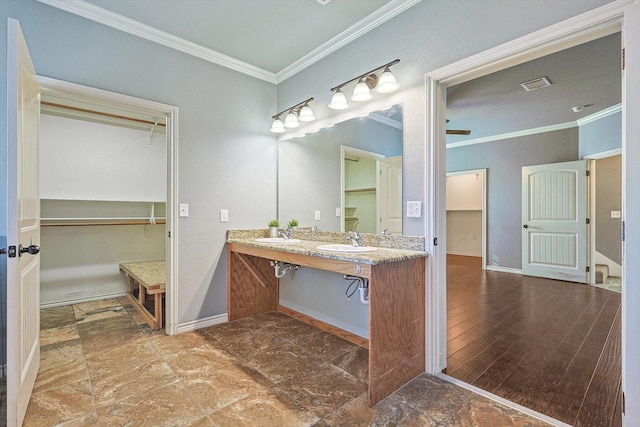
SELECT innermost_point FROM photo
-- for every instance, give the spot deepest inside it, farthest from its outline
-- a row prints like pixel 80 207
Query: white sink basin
pixel 345 248
pixel 276 240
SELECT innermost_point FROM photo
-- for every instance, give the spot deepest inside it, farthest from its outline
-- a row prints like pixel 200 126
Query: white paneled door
pixel 23 230
pixel 389 194
pixel 554 221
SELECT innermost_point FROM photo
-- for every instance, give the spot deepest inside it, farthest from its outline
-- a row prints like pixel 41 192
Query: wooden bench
pixel 146 278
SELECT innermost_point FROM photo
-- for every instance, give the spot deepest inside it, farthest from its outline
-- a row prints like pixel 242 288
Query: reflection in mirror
pixel 319 186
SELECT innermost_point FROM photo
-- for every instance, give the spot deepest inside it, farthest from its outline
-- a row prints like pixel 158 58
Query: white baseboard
pixel 462 253
pixel 202 323
pixel 81 300
pixel 504 269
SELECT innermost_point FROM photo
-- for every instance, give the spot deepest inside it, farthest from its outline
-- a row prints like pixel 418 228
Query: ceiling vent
pixel 534 84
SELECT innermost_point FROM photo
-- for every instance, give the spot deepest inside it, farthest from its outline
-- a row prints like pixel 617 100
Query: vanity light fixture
pixel 291 120
pixel 338 101
pixel 386 83
pixel 301 112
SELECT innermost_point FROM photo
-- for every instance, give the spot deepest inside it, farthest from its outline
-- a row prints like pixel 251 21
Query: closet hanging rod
pixel 100 113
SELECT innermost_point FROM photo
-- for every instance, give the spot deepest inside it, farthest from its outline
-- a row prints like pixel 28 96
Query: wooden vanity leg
pixel 252 287
pixel 396 326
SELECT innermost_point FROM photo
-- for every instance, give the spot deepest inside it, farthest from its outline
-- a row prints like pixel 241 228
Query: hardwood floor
pixel 549 345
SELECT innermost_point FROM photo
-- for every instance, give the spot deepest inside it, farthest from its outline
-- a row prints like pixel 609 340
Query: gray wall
pixel 504 160
pixel 609 198
pixel 601 135
pixel 227 156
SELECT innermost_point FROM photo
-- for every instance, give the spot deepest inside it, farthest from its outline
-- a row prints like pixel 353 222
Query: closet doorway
pixel 466 214
pixel 108 192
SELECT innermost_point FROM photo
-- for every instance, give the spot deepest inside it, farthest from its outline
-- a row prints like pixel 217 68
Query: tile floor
pixel 100 366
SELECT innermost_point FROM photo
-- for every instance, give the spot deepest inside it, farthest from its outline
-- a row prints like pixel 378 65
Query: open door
pixel 554 221
pixel 23 230
pixel 389 194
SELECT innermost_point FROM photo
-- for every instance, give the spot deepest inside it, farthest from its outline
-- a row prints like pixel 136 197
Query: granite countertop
pixel 309 247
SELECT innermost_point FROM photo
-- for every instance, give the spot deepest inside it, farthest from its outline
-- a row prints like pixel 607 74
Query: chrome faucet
pixel 285 233
pixel 386 231
pixel 355 238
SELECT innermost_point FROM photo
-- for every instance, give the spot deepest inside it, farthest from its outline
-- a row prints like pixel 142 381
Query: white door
pixel 23 231
pixel 554 221
pixel 389 194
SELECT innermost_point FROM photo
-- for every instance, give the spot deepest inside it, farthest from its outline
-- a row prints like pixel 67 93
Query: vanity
pixel 396 277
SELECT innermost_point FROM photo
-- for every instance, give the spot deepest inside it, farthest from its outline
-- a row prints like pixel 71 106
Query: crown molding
pixel 131 26
pixel 600 114
pixel 511 135
pixel 357 30
pixel 385 120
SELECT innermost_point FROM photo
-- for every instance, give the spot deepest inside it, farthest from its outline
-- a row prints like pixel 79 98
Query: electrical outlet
pixel 337 211
pixel 317 215
pixel 184 210
pixel 615 214
pixel 224 215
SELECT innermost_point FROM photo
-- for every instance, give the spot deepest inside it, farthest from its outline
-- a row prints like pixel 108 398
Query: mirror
pixel 344 176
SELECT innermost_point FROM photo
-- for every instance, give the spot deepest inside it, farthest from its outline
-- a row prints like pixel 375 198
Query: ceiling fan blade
pixel 458 132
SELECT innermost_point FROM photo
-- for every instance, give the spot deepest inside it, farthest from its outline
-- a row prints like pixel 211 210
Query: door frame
pixel 597 23
pixel 344 150
pixel 171 112
pixel 483 173
pixel 592 206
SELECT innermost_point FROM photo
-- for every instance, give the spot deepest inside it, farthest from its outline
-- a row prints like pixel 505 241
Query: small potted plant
pixel 293 223
pixel 273 228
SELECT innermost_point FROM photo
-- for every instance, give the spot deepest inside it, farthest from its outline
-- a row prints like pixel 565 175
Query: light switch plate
pixel 414 209
pixel 184 210
pixel 224 215
pixel 615 214
pixel 317 215
pixel 337 211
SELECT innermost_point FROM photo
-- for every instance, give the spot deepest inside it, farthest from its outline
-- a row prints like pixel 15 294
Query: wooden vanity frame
pixel 396 306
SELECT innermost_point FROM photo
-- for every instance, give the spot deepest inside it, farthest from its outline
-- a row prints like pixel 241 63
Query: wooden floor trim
pixel 353 338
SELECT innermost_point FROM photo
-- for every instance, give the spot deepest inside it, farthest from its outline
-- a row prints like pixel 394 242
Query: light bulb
pixel 387 82
pixel 361 92
pixel 339 101
pixel 278 126
pixel 291 121
pixel 306 114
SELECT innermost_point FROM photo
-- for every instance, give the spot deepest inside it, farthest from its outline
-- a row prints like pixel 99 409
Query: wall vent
pixel 534 84
pixel 323 2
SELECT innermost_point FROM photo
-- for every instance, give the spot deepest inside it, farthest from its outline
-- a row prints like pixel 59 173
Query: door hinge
pixel 623 59
pixel 588 173
pixel 588 269
pixel 588 221
pixel 623 402
pixel 435 241
pixel 623 225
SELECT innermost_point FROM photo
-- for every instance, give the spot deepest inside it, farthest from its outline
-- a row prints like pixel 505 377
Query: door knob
pixel 525 226
pixel 31 249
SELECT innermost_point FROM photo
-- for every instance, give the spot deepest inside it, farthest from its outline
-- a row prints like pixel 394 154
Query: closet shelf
pixel 76 222
pixel 360 190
